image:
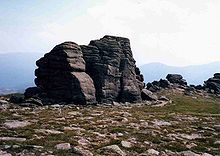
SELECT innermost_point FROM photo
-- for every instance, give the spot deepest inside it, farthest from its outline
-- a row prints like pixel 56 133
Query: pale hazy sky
pixel 174 32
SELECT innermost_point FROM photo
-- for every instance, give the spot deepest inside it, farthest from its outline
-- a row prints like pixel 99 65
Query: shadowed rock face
pixel 61 75
pixel 110 63
pixel 103 71
pixel 213 84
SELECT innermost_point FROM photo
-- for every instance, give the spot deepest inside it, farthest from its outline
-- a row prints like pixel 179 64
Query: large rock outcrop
pixel 110 63
pixel 213 84
pixel 61 75
pixel 103 71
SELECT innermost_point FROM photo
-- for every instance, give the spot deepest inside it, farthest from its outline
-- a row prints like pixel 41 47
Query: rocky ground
pixel 187 125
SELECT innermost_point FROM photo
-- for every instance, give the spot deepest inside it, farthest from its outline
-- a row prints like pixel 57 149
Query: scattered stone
pixel 48 131
pixel 2 102
pixel 81 152
pixel 191 145
pixel 4 147
pixel 217 126
pixel 161 103
pixel 146 142
pixel 153 152
pixel 99 134
pixel 188 153
pixel 12 139
pixel 16 146
pixel 75 113
pixel 206 154
pixel 217 142
pixel 161 123
pixel 63 146
pixel 73 129
pixel 190 137
pixel 83 142
pixel 114 149
pixel 4 153
pixel 16 124
pixel 126 144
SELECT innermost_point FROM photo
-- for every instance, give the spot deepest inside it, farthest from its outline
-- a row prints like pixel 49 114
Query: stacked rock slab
pixel 110 64
pixel 213 84
pixel 61 75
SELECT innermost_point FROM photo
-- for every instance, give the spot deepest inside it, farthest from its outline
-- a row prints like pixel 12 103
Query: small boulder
pixel 16 124
pixel 81 152
pixel 188 153
pixel 164 83
pixel 63 146
pixel 163 98
pixel 12 139
pixel 148 95
pixel 114 149
pixel 153 152
pixel 34 101
pixel 32 92
pixel 16 99
pixel 2 102
pixel 4 153
pixel 126 144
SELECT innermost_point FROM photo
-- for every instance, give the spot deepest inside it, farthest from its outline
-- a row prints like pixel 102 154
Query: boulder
pixel 152 87
pixel 16 99
pixel 148 95
pixel 164 83
pixel 176 79
pixel 158 85
pixel 32 92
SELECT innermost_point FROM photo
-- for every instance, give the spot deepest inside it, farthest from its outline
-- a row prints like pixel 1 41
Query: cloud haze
pixel 174 32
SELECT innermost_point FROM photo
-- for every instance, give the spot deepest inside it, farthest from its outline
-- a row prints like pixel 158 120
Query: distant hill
pixel 17 71
pixel 195 74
